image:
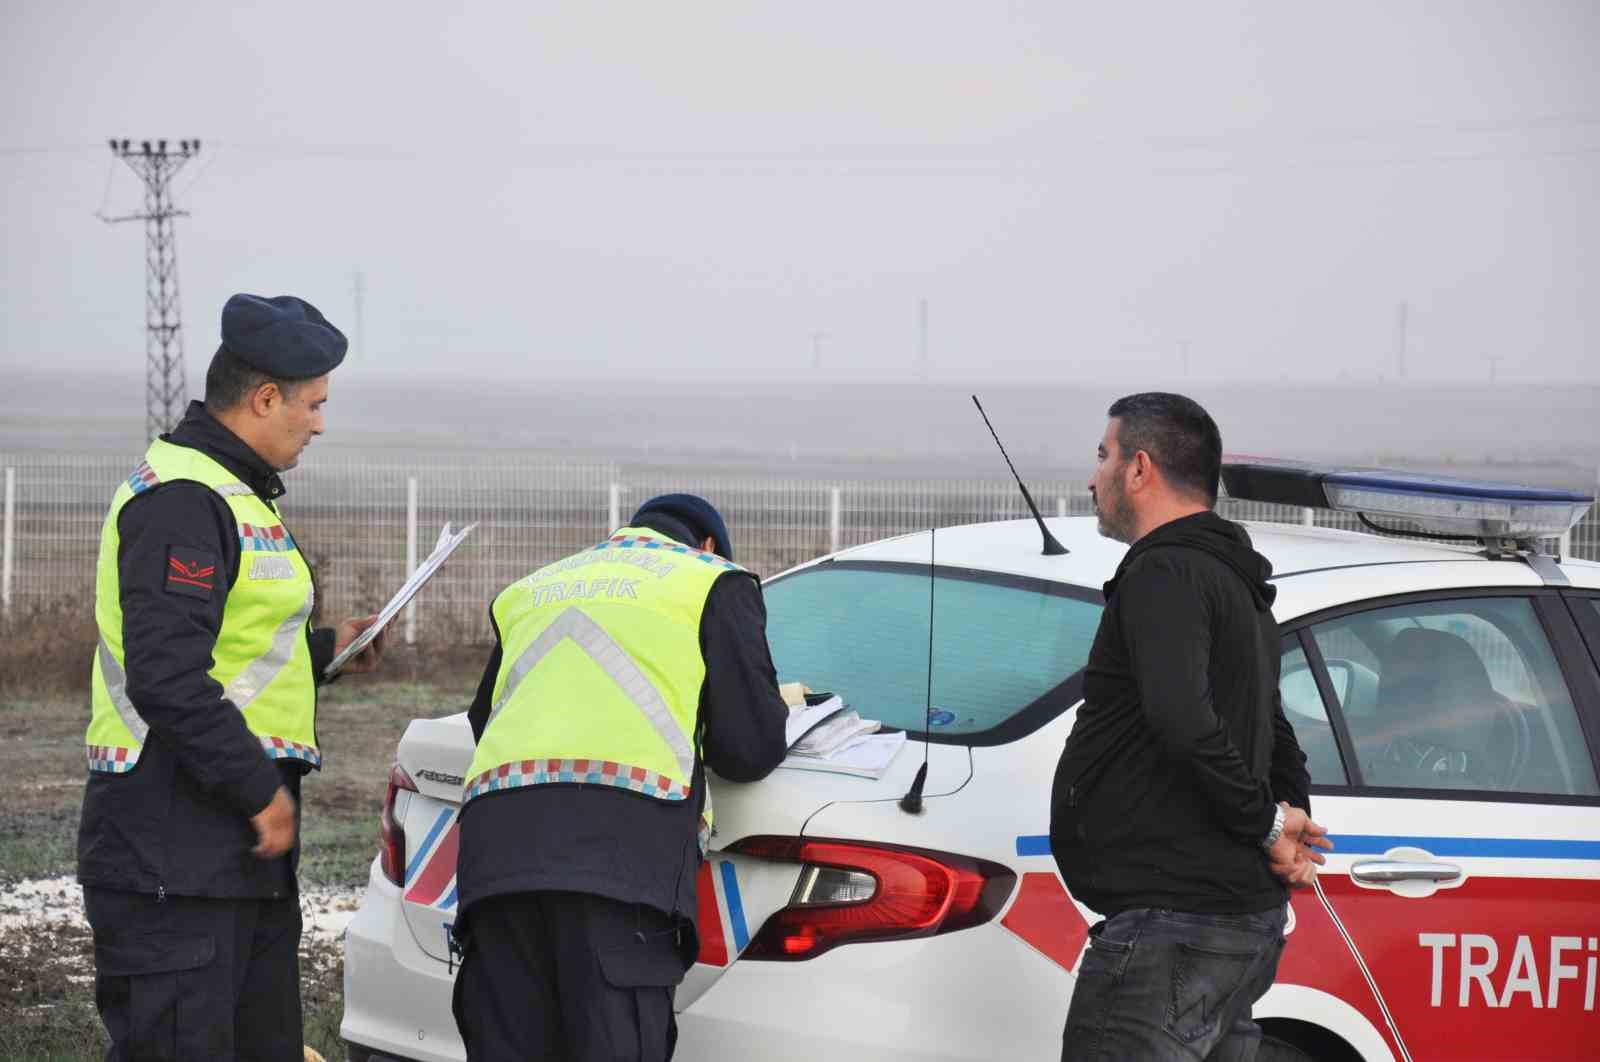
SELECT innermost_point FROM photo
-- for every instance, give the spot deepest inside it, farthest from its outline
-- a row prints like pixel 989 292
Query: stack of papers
pixel 844 729
pixel 868 757
pixel 828 736
pixel 448 541
pixel 804 718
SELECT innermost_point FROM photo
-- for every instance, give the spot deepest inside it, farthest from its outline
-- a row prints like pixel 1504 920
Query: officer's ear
pixel 709 545
pixel 265 398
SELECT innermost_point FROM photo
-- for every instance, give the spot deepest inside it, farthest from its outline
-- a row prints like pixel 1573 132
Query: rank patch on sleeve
pixel 191 571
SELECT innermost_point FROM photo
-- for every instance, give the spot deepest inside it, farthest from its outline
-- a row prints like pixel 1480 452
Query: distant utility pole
pixel 1494 366
pixel 1400 322
pixel 922 339
pixel 816 349
pixel 166 389
pixel 358 288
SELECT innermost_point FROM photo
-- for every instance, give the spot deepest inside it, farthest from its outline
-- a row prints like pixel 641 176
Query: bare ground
pixel 46 959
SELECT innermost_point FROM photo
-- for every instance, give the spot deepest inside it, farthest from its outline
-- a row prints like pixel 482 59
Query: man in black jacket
pixel 1180 808
pixel 204 716
pixel 577 891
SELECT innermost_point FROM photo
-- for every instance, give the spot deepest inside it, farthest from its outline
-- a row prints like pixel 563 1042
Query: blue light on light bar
pixel 1412 500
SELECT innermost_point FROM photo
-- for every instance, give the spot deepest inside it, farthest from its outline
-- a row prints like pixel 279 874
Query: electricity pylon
pixel 166 388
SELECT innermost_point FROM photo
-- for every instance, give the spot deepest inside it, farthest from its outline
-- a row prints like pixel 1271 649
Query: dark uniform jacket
pixel 179 822
pixel 611 842
pixel 1168 782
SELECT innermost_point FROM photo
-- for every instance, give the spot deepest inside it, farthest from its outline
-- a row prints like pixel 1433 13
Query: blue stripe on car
pixel 1468 847
pixel 730 889
pixel 1033 845
pixel 1377 844
pixel 427 843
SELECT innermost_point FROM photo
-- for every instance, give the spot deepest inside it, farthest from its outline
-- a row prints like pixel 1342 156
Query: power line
pixel 211 160
pixel 166 386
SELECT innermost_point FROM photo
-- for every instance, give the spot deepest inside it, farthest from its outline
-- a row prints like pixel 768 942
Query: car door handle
pixel 1388 871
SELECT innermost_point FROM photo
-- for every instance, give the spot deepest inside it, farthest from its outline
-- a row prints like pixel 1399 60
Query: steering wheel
pixel 1500 767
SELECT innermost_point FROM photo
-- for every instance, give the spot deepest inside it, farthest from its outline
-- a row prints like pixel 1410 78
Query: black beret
pixel 700 515
pixel 284 337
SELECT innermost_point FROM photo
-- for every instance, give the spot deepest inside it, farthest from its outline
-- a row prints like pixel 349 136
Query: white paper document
pixel 448 541
pixel 843 731
pixel 803 718
pixel 868 757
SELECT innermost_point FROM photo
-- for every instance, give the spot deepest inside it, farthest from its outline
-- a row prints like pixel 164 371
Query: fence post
pixel 835 521
pixel 1308 517
pixel 614 509
pixel 1061 505
pixel 7 563
pixel 411 555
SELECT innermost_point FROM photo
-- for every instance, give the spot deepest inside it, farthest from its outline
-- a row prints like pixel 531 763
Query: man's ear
pixel 709 545
pixel 264 398
pixel 1143 470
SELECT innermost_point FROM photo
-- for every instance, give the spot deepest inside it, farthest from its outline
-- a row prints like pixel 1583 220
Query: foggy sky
pixel 648 190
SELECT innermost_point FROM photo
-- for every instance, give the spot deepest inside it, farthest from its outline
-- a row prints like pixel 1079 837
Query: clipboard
pixel 448 541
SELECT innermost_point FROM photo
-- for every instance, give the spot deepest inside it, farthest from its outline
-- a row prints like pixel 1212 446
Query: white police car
pixel 1448 699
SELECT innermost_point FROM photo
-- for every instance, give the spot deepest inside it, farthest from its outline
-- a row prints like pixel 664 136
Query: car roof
pixel 1014 547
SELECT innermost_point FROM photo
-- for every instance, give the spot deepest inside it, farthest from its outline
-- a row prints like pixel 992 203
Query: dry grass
pixel 48 647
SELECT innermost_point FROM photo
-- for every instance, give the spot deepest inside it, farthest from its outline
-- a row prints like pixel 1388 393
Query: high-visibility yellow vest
pixel 262 658
pixel 601 671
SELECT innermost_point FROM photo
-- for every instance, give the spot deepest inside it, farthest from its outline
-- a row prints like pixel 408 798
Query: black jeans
pixel 196 979
pixel 568 976
pixel 1168 986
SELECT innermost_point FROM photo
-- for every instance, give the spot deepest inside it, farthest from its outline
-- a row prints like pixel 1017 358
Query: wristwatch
pixel 1277 828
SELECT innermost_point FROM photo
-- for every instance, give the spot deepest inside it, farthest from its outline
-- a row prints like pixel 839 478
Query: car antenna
pixel 1052 548
pixel 911 803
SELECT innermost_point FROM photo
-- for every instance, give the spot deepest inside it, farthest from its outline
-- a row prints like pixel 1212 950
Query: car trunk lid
pixel 436 754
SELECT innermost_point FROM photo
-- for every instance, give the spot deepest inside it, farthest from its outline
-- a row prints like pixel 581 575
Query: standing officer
pixel 621 673
pixel 204 709
pixel 1165 814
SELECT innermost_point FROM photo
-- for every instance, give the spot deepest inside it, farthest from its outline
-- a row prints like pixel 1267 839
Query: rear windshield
pixel 1007 650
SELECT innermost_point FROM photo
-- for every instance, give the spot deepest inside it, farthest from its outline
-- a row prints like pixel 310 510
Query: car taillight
pixel 392 835
pixel 851 891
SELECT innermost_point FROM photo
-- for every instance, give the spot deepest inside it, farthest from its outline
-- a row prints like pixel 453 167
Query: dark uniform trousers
pixel 568 976
pixel 196 979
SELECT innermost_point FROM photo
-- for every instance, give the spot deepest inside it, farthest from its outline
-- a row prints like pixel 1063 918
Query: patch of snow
pixel 325 912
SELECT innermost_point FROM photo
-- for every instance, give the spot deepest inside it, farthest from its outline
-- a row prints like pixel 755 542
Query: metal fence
pixel 364 524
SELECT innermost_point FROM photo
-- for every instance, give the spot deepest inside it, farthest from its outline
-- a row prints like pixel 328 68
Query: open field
pixel 46 1002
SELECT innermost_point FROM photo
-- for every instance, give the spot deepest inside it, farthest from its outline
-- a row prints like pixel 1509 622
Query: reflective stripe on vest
pixel 259 673
pixel 117 686
pixel 614 661
pixel 633 628
pixel 261 657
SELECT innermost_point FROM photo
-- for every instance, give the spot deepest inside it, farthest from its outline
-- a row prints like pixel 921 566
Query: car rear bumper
pixel 901 1001
pixel 396 996
pixel 939 999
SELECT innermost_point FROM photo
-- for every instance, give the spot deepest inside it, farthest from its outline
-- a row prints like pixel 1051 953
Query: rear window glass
pixel 1003 646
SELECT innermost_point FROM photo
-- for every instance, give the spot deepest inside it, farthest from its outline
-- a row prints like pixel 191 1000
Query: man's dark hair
pixel 230 380
pixel 1178 434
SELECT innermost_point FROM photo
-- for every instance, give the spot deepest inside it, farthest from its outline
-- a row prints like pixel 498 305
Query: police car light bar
pixel 1426 503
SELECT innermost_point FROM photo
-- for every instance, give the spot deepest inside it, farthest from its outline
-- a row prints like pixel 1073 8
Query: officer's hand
pixel 367 660
pixel 274 826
